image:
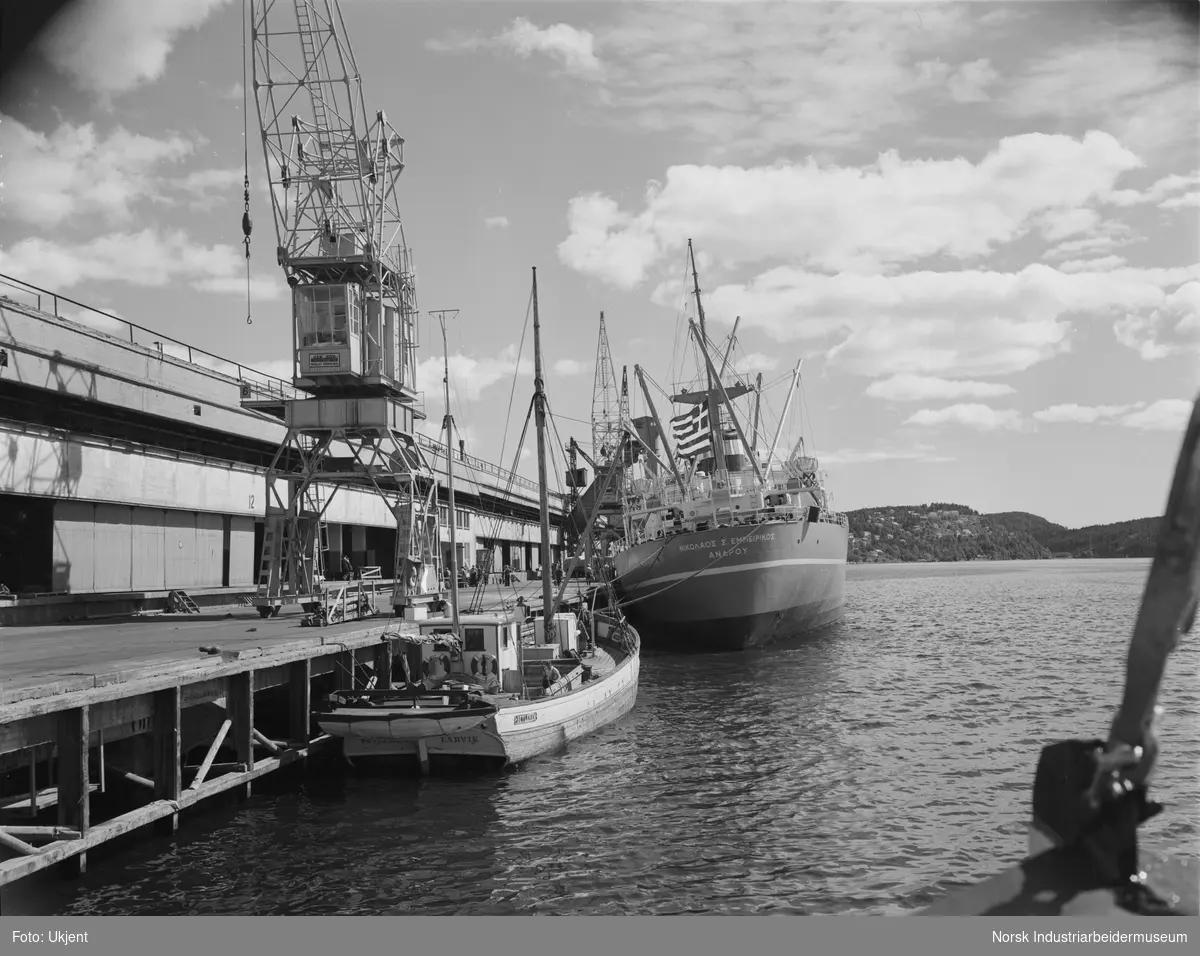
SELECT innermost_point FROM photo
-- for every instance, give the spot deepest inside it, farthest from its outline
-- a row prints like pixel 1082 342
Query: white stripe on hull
pixel 735 569
pixel 738 586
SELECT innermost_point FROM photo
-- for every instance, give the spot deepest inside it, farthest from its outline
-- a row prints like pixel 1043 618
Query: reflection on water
pixel 865 770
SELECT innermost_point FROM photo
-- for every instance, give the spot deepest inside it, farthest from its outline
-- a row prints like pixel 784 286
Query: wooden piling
pixel 168 751
pixel 383 665
pixel 239 698
pixel 343 676
pixel 49 732
pixel 300 702
pixel 74 791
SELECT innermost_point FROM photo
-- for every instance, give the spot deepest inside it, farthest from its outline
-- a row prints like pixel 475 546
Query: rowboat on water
pixel 493 690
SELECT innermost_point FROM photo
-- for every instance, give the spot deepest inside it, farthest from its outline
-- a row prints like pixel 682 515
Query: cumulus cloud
pixel 870 456
pixel 980 417
pixel 1133 79
pixel 821 76
pixel 75 171
pixel 959 324
pixel 839 218
pixel 1171 328
pixel 470 377
pixel 1104 237
pixel 574 49
pixel 1166 414
pixel 113 46
pixel 149 258
pixel 276 367
pixel 107 321
pixel 606 243
pixel 969 83
pixel 496 222
pixel 204 187
pixel 1083 414
pixel 1185 201
pixel 1103 264
pixel 915 388
pixel 754 362
pixel 262 288
pixel 1158 193
pixel 568 367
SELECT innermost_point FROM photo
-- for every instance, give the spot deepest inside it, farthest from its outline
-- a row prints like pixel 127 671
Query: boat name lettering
pixel 747 539
pixel 524 718
pixel 724 542
pixel 459 739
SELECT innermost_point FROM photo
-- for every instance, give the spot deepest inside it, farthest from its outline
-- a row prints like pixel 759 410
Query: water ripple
pixel 869 770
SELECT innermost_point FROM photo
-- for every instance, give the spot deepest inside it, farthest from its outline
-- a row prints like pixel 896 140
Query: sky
pixel 975 223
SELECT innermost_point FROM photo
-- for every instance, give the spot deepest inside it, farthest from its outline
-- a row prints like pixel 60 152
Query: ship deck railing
pixel 738 484
pixel 741 518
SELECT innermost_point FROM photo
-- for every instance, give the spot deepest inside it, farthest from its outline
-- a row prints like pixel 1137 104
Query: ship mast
pixel 449 423
pixel 539 408
pixel 714 415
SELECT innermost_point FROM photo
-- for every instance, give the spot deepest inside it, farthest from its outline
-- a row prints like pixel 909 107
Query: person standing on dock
pixel 347 568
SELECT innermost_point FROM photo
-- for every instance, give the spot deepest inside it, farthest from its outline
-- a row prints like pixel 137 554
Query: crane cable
pixel 247 223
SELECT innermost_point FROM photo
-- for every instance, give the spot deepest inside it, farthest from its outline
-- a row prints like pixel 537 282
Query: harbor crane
pixel 333 170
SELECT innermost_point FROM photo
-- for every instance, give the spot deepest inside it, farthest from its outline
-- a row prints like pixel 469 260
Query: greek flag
pixel 690 431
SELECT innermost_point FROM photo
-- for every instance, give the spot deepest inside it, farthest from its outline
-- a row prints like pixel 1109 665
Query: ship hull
pixel 734 588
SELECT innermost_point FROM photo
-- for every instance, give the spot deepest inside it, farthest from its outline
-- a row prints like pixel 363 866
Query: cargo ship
pixel 724 547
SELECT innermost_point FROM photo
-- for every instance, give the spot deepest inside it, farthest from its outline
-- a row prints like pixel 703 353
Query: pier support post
pixel 168 756
pixel 383 665
pixel 73 780
pixel 240 700
pixel 344 670
pixel 300 697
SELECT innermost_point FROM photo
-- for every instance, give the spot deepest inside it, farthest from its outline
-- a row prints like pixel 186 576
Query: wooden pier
pixel 114 735
pixel 106 728
pixel 109 727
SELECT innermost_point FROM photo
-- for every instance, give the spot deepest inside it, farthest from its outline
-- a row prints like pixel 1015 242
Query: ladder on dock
pixel 319 495
pixel 272 552
pixel 179 602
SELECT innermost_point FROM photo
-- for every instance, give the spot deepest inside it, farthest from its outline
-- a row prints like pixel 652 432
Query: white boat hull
pixel 514 733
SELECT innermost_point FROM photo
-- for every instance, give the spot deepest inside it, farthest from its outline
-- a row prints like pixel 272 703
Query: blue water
pixel 868 770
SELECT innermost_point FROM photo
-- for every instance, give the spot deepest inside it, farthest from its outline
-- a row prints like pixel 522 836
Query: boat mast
pixel 724 395
pixel 637 370
pixel 787 407
pixel 449 423
pixel 729 348
pixel 714 415
pixel 754 430
pixel 539 408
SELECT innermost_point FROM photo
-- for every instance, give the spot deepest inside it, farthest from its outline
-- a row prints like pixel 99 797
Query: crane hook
pixel 247 228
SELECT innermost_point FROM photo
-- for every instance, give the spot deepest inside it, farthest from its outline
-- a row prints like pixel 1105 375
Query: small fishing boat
pixel 495 689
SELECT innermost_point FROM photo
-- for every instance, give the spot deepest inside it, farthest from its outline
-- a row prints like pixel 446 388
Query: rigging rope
pixel 247 222
pixel 516 372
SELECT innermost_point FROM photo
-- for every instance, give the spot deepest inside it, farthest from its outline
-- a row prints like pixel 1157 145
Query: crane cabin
pixel 347 335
